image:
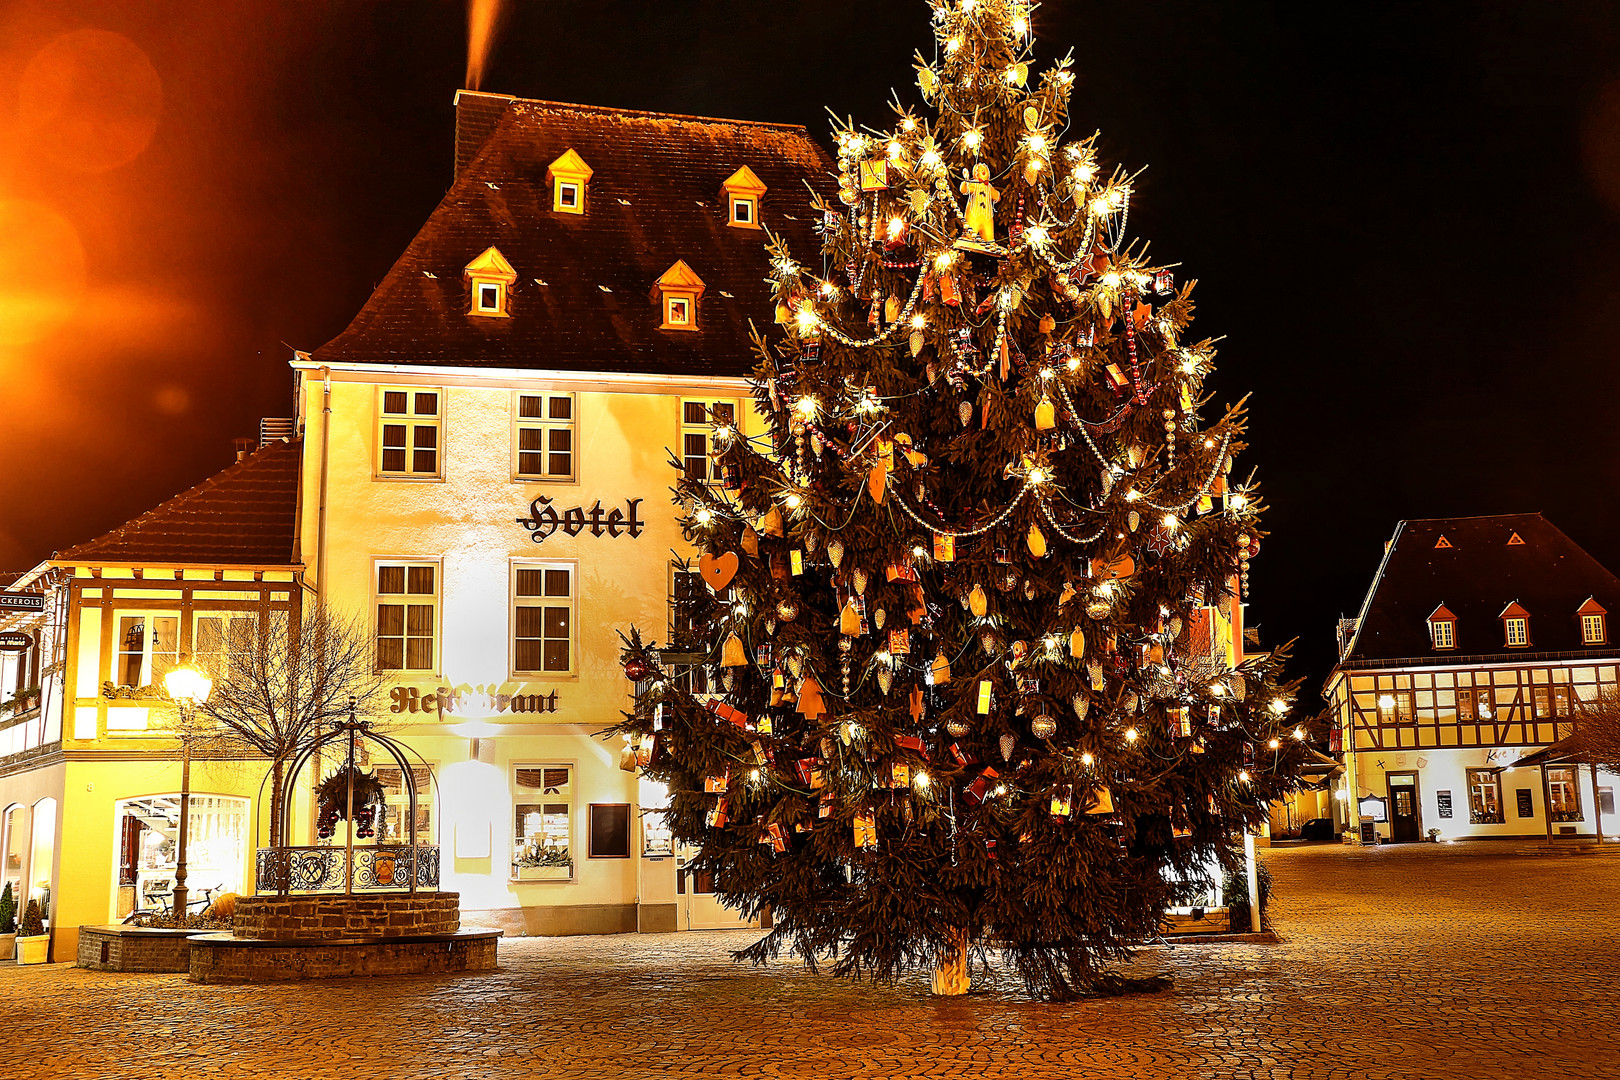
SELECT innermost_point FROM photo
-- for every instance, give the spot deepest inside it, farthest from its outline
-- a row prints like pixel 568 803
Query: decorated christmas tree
pixel 966 672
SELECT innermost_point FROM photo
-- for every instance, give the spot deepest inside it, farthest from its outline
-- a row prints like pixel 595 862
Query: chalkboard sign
pixel 1527 806
pixel 1369 831
pixel 610 831
pixel 1444 799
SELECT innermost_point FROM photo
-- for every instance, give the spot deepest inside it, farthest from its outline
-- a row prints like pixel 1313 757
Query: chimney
pixel 243 447
pixel 477 113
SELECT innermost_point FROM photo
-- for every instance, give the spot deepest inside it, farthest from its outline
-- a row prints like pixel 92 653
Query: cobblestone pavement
pixel 1424 961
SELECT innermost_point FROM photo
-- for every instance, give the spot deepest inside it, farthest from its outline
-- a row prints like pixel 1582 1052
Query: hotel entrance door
pixel 699 908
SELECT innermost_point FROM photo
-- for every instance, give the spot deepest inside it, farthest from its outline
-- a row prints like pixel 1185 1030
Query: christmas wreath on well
pixel 332 802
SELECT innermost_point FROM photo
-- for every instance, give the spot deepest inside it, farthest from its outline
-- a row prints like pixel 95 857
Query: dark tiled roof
pixel 654 197
pixel 243 516
pixel 1477 573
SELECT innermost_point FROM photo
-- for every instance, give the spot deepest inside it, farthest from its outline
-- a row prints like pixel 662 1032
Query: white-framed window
pixel 543 812
pixel 222 640
pixel 407 605
pixel 543 600
pixel 698 418
pixel 1484 796
pixel 395 827
pixel 489 297
pixel 1395 707
pixel 569 197
pixel 1593 630
pixel 148 646
pixel 744 211
pixel 1445 633
pixel 677 310
pixel 408 421
pixel 1517 630
pixel 1563 793
pixel 545 436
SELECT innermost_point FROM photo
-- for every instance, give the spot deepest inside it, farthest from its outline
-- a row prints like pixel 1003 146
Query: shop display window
pixel 542 835
pixel 147 843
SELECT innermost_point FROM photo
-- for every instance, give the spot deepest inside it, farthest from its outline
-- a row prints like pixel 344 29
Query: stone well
pixel 326 917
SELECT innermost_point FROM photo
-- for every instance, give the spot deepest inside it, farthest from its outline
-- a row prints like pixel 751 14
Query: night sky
pixel 1403 218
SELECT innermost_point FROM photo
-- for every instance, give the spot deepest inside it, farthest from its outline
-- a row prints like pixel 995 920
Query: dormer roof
pixel 1483 577
pixel 570 166
pixel 680 278
pixel 654 200
pixel 743 182
pixel 491 266
pixel 1591 607
pixel 1442 614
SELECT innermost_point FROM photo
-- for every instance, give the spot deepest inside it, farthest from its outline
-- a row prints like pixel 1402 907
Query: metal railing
pixel 314 869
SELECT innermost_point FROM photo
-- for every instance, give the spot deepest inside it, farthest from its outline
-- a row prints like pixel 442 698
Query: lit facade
pixel 1475 642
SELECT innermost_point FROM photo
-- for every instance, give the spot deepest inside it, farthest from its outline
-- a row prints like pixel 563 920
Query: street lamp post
pixel 188 687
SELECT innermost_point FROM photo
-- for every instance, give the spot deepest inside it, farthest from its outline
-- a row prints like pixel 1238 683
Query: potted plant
pixel 8 922
pixel 33 943
pixel 539 863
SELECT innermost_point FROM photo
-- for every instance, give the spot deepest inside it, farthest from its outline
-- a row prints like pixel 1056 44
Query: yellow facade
pixel 473 714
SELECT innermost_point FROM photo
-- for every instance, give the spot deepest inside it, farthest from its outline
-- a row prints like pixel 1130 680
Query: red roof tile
pixel 584 298
pixel 243 516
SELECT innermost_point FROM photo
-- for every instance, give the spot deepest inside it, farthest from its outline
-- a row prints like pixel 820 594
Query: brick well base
pixel 225 958
pixel 314 918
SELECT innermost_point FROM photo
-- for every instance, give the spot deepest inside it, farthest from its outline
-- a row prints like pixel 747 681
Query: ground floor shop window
pixel 43 848
pixel 396 826
pixel 1563 793
pixel 542 834
pixel 1484 797
pixel 148 847
pixel 15 847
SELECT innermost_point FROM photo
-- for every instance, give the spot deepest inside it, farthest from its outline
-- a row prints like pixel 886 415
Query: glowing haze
pixel 482 18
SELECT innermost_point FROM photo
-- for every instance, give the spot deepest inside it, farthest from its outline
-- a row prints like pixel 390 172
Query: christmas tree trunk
pixel 966 654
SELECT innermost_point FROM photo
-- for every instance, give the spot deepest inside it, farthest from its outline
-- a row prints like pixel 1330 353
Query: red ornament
pixel 636 669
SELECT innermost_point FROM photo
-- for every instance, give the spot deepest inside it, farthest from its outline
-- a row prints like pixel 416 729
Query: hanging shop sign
pixel 22 601
pixel 545 519
pixel 491 699
pixel 16 642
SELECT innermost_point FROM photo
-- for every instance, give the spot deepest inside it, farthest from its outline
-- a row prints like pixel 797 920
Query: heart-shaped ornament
pixel 718 570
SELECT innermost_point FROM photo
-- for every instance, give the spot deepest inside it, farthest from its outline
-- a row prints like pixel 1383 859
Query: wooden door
pixel 1405 818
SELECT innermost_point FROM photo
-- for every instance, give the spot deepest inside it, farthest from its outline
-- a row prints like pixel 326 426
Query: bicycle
pixel 165 915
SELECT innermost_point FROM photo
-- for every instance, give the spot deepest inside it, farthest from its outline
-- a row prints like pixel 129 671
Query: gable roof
pixel 1480 578
pixel 243 516
pixel 582 298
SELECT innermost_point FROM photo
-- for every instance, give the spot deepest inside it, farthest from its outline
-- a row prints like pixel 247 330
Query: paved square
pixel 1425 961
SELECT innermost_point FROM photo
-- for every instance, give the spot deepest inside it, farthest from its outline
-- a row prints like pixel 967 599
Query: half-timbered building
pixel 1475 642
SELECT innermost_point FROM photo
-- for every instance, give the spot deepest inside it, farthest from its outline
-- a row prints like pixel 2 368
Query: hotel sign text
pixel 544 519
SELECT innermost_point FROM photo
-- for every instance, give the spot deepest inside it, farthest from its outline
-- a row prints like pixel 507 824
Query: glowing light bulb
pixel 1273 744
pixel 918 322
pixel 1074 363
pixel 1001 789
pixel 1036 142
pixel 1132 495
pixel 1217 689
pixel 793 502
pixel 1036 235
pixel 1047 373
pixel 972 137
pixel 1130 734
pixel 919 551
pixel 1020 26
pixel 805 406
pixel 953 44
pixel 754 775
pixel 1170 522
pixel 897 227
pixel 1086 758
pixel 704 515
pixel 1299 733
pixel 894 150
pixel 1279 706
pixel 829 290
pixel 908 124
pixel 922 779
pixel 930 159
pixel 1111 279
pixel 808 319
pixel 1237 500
pixel 723 431
pixel 944 260
pixel 1037 475
pixel 1243 777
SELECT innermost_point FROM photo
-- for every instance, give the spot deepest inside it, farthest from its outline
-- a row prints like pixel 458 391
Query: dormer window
pixel 569 178
pixel 677 293
pixel 490 276
pixel 1594 622
pixel 1443 628
pixel 742 192
pixel 1515 626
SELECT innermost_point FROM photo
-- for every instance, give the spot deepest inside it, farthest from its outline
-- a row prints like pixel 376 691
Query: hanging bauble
pixel 1077 643
pixel 811 540
pixel 1239 689
pixel 1036 541
pixel 860 581
pixel 726 678
pixel 1008 581
pixel 989 642
pixel 1129 701
pixel 750 540
pixel 787 611
pixel 770 626
pixel 835 552
pixel 1045 415
pixel 1134 520
pixel 849 620
pixel 878 618
pixel 732 654
pixel 885 678
pixel 1009 742
pixel 636 669
pixel 978 602
pixel 1099 609
pixel 956 728
pixel 1029 590
pixel 1175 626
pixel 941 670
pixel 1082 705
pixel 918 338
pixel 1095 670
pixel 1043 726
pixel 795 665
pixel 964 410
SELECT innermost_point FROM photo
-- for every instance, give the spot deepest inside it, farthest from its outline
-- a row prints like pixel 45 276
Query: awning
pixel 1562 752
pixel 1318 766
